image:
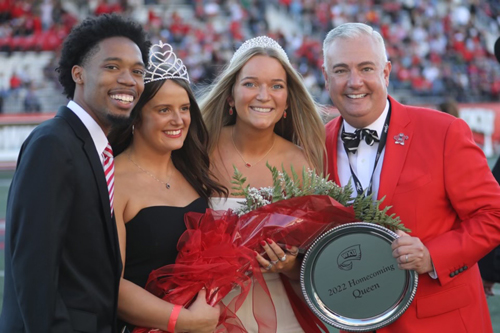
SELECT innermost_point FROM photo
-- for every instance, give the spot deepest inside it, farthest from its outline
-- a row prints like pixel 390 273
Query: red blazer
pixel 440 184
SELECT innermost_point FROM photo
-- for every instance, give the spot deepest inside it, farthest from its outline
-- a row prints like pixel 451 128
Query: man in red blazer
pixel 427 166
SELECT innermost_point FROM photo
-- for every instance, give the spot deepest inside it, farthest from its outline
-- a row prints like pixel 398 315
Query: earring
pixel 133 129
pixel 284 115
pixel 231 111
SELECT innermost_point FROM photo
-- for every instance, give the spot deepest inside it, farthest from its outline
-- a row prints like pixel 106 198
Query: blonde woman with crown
pixel 258 110
pixel 161 173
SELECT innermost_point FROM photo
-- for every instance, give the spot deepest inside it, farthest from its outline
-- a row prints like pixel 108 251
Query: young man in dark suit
pixel 62 260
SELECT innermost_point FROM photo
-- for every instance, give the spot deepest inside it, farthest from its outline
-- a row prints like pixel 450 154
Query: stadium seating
pixel 439 49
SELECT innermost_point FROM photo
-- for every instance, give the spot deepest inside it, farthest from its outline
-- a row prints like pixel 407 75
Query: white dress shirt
pixel 363 161
pixel 96 132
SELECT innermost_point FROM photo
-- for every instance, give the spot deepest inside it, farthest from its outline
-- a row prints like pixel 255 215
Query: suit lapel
pixel 395 153
pixel 332 167
pixel 97 169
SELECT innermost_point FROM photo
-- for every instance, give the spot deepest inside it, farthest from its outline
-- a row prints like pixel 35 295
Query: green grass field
pixel 5 178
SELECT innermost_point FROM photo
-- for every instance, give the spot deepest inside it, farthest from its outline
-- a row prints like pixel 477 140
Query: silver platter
pixel 351 281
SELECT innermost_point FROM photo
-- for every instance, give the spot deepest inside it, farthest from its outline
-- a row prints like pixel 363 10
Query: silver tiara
pixel 261 41
pixel 164 64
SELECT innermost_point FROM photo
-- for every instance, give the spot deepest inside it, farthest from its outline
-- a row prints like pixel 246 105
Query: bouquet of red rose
pixel 217 250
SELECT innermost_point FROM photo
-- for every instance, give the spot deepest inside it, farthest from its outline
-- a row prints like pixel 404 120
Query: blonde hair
pixel 303 125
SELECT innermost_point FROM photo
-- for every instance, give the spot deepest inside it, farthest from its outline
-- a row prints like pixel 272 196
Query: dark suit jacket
pixel 62 262
pixel 490 264
pixel 440 184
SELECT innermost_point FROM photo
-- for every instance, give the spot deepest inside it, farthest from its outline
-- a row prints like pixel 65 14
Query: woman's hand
pixel 203 318
pixel 278 260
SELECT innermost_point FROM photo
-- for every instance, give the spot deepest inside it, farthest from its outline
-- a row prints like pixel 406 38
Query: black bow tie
pixel 351 140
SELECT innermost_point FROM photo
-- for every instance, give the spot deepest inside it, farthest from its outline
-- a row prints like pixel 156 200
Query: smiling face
pixel 165 118
pixel 357 77
pixel 260 92
pixel 109 83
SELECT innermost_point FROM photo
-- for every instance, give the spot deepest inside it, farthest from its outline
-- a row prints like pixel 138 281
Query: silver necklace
pixel 166 184
pixel 248 165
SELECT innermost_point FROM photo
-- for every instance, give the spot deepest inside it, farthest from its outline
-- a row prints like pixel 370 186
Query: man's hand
pixel 488 288
pixel 411 253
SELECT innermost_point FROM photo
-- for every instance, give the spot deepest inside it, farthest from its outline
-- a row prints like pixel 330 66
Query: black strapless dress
pixel 152 237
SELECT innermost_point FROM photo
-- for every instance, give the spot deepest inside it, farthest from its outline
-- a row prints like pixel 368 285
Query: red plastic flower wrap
pixel 217 253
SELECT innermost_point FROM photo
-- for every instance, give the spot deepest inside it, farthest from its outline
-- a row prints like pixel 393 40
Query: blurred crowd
pixel 438 48
pixel 31 25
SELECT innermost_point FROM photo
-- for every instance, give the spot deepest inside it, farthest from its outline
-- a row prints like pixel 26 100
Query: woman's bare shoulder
pixel 290 155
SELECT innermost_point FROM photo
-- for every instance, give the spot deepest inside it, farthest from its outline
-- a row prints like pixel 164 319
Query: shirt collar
pixel 96 132
pixel 377 125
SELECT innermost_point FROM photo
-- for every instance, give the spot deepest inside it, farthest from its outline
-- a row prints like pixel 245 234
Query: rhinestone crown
pixel 164 64
pixel 261 41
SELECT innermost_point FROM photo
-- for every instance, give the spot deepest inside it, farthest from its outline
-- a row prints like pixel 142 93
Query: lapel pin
pixel 400 139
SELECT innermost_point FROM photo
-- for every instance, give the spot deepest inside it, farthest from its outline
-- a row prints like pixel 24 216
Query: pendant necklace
pixel 166 184
pixel 249 165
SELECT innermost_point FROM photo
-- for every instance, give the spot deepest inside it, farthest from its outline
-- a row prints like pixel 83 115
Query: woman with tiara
pixel 161 172
pixel 256 111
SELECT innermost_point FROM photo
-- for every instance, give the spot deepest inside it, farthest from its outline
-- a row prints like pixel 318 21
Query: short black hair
pixel 80 44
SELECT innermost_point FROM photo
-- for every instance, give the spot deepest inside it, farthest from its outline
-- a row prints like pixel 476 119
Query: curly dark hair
pixel 192 159
pixel 83 41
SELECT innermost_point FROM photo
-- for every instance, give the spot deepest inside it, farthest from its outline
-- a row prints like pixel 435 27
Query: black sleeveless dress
pixel 152 237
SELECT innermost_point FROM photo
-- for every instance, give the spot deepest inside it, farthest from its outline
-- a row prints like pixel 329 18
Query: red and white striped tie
pixel 109 172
